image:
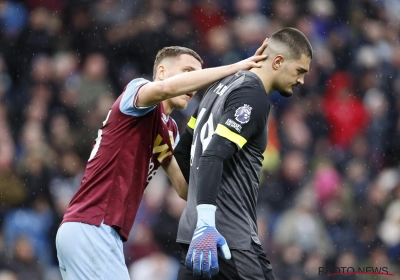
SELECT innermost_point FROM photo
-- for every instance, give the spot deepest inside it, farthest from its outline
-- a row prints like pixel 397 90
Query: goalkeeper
pixel 223 149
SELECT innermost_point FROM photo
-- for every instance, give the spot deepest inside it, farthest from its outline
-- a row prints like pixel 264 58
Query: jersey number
pixel 98 139
pixel 206 133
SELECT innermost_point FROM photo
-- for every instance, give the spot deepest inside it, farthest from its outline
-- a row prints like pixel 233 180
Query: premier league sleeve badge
pixel 242 114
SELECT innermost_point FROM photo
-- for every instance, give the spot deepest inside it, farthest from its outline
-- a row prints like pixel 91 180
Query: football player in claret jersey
pixel 136 138
pixel 223 149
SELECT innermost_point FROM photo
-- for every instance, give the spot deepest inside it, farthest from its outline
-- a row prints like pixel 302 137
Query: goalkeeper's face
pixel 181 64
pixel 291 74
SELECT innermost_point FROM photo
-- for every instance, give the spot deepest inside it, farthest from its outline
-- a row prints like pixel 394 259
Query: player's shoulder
pixel 133 87
pixel 249 80
pixel 250 89
pixel 136 82
pixel 128 98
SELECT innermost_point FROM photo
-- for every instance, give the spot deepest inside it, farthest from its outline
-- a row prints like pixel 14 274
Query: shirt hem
pixel 80 221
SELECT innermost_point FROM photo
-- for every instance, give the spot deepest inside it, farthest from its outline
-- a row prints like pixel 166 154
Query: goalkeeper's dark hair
pixel 294 41
pixel 173 51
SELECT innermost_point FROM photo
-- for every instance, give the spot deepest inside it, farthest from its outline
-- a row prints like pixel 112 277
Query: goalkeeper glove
pixel 202 256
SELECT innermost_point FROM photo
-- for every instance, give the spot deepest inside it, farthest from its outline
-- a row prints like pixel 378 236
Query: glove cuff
pixel 206 215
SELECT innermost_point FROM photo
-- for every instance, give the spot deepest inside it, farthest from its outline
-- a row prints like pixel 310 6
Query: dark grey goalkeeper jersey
pixel 237 109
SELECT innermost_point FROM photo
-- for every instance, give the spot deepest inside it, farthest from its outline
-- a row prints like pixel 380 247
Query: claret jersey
pixel 132 143
pixel 237 109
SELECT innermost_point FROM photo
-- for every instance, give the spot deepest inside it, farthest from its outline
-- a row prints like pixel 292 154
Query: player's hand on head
pixel 261 49
pixel 255 60
pixel 251 62
pixel 202 256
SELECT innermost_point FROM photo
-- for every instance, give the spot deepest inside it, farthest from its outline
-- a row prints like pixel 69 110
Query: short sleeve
pixel 245 115
pixel 128 101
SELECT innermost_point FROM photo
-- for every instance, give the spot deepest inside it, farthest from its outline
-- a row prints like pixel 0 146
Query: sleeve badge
pixel 242 114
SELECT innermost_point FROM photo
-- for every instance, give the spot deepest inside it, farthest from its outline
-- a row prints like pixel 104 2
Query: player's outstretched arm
pixel 175 176
pixel 154 92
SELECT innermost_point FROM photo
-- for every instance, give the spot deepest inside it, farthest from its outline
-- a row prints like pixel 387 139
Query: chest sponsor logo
pixel 151 173
pixel 242 114
pixel 160 148
pixel 234 125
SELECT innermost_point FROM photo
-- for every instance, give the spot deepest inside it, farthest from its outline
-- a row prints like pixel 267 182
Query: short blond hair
pixel 173 51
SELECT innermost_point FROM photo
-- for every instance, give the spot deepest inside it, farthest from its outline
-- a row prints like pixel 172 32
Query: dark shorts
pixel 248 265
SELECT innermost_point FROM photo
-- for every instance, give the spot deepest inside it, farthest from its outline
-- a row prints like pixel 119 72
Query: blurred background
pixel 330 188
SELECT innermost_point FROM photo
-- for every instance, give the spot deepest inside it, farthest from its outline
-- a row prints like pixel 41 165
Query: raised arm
pixel 155 92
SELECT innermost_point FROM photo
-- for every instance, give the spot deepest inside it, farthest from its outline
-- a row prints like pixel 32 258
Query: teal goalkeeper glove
pixel 202 256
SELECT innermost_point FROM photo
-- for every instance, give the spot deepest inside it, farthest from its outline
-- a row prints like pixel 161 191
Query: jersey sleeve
pixel 245 114
pixel 128 101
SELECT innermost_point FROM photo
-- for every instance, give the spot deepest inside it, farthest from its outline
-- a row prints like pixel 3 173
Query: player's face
pixel 183 63
pixel 291 75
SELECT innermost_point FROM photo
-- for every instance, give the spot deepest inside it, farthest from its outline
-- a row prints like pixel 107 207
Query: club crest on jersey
pixel 242 114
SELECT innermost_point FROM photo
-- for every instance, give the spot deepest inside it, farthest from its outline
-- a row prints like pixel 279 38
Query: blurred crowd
pixel 330 188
